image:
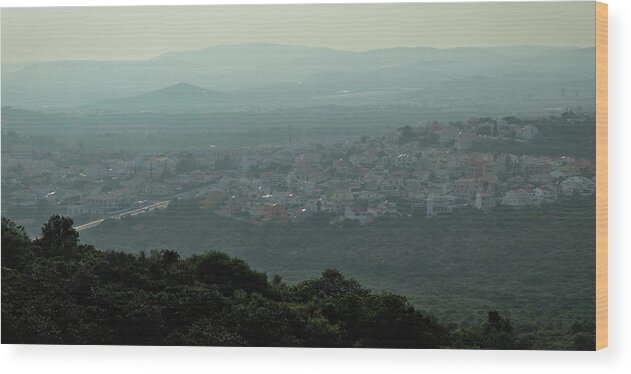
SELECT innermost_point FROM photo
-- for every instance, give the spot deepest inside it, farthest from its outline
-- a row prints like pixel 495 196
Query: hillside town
pixel 431 169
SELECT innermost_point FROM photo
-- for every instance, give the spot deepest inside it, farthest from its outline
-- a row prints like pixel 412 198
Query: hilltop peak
pixel 183 87
pixel 177 97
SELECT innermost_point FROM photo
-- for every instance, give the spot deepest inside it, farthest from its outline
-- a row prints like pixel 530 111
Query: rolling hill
pixel 260 75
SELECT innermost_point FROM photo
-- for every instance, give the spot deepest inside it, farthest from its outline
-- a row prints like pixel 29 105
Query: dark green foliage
pixel 331 284
pixel 229 274
pixel 537 263
pixel 430 139
pixel 583 336
pixel 207 333
pixel 58 237
pixel 15 244
pixel 583 342
pixel 73 294
pixel 342 313
pixel 406 135
pixel 496 333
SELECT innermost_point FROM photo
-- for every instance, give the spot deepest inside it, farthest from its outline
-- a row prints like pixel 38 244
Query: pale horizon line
pixel 118 59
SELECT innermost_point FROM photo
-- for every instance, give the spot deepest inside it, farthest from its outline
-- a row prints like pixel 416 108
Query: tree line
pixel 58 291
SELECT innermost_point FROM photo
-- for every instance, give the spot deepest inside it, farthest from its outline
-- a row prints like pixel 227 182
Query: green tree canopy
pixel 58 238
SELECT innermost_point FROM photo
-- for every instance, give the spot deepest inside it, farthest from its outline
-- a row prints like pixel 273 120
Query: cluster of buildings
pixel 430 170
pixel 93 185
pixel 387 176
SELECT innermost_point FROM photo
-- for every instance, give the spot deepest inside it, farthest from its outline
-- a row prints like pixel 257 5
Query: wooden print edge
pixel 601 177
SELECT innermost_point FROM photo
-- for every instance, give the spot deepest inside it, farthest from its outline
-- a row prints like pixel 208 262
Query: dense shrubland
pixel 58 291
pixel 536 266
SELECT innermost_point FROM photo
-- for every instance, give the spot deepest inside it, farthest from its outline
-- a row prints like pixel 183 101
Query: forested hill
pixel 57 291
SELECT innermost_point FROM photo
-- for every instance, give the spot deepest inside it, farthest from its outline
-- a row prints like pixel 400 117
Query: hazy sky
pixel 38 34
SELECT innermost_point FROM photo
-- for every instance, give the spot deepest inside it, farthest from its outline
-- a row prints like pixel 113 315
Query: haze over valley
pixel 454 169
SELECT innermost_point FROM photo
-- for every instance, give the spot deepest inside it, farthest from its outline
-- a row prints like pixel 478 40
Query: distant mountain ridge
pixel 260 74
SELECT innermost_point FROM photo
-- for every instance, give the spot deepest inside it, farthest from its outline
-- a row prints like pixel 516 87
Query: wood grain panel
pixel 601 178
